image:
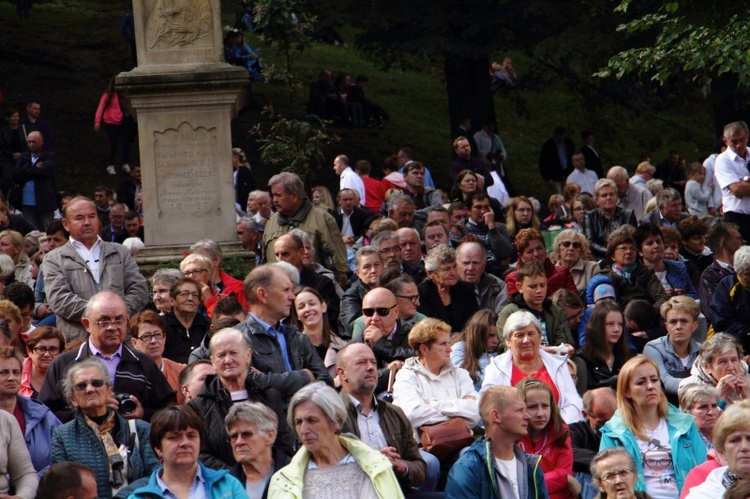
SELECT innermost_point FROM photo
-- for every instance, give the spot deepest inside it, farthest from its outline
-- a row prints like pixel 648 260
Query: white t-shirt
pixel 509 470
pixel 662 276
pixel 658 469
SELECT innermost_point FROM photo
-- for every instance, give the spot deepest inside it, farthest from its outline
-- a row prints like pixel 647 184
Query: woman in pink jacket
pixel 110 116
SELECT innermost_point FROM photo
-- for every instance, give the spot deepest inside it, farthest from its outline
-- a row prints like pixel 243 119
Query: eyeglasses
pixel 575 316
pixel 382 311
pixel 191 273
pixel 185 294
pixel 390 251
pixel 612 476
pixel 44 350
pixel 413 298
pixel 146 338
pixel 106 322
pixel 580 208
pixel 96 383
pixel 568 244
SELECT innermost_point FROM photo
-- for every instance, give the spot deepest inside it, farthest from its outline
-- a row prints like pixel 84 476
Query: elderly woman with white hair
pixel 730 304
pixel 571 248
pixel 719 364
pixel 330 464
pixel 442 295
pixel 522 334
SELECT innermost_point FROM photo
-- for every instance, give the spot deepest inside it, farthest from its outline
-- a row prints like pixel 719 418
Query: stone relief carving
pixel 175 23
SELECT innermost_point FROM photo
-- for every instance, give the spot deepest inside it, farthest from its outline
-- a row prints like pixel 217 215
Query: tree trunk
pixel 469 91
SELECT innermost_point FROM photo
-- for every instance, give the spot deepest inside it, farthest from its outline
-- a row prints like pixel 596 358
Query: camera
pixel 127 405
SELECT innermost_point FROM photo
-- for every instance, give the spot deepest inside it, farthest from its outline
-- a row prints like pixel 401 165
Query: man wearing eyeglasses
pixel 86 265
pixel 133 372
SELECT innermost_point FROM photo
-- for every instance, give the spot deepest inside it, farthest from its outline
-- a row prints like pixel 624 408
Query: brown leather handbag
pixel 443 439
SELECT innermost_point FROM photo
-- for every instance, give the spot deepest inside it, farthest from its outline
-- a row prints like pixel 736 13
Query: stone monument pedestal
pixel 184 98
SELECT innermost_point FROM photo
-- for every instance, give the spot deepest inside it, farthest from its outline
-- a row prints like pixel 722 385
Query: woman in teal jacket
pixel 666 443
pixel 176 434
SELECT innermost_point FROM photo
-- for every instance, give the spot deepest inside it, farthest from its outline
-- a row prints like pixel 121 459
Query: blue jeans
pixel 432 474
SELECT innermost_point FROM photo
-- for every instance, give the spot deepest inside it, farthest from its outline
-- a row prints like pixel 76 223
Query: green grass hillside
pixel 67 51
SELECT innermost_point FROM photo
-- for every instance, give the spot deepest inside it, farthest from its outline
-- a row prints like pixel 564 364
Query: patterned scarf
pixel 624 272
pixel 104 433
pixel 728 479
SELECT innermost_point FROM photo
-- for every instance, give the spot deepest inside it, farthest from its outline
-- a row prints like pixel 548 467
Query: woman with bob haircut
pixel 522 334
pixel 571 248
pixel 330 464
pixel 666 443
pixel 732 440
pixel 719 364
pixel 176 434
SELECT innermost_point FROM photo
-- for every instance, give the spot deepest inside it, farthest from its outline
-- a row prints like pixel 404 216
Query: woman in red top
pixel 549 438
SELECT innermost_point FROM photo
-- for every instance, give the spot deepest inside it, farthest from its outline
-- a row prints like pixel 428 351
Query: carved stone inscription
pixel 187 181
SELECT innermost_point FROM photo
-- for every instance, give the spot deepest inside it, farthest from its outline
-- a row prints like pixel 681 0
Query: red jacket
pixel 232 287
pixel 699 474
pixel 375 193
pixel 558 277
pixel 557 463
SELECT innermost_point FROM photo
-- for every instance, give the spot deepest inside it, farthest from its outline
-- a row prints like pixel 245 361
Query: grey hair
pixel 667 196
pixel 249 223
pixel 655 185
pixel 383 236
pixel 588 398
pixel 438 255
pixel 324 397
pixel 290 270
pixel 67 382
pixel 207 247
pixel 415 231
pixel 304 237
pixel 734 127
pixel 168 276
pixel 609 452
pixel 399 199
pixel 693 393
pixel 718 344
pixel 291 183
pixel 472 244
pixel 617 171
pixel 742 259
pixel 602 183
pixel 570 235
pixel 227 332
pixel 255 413
pixel 7 267
pixel 365 251
pixel 519 320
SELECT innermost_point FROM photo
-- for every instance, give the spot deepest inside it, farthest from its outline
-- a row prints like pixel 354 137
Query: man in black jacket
pixel 599 405
pixel 231 384
pixel 554 160
pixel 132 372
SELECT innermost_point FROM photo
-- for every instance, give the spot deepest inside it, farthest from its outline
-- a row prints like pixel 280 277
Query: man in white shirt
pixel 586 179
pixel 348 177
pixel 731 172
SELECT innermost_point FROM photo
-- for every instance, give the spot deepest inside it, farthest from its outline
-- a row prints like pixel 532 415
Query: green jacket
pixel 558 331
pixel 288 481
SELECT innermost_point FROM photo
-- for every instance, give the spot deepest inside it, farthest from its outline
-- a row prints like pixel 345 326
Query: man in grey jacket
pixel 86 265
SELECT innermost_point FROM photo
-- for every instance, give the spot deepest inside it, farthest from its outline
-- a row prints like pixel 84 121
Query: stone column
pixel 184 97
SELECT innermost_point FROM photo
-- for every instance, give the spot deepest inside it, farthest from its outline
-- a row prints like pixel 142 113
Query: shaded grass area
pixel 65 54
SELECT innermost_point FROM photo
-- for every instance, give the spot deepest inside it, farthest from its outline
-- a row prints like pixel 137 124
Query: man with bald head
pixel 85 265
pixel 632 197
pixel 491 291
pixel 132 372
pixel 411 246
pixel 599 406
pixel 290 248
pixel 379 424
pixel 385 333
pixel 36 174
pixel 284 358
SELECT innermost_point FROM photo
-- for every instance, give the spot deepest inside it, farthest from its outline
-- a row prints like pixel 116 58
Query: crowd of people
pixel 396 340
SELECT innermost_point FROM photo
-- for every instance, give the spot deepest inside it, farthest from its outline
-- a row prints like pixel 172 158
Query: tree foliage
pixel 696 38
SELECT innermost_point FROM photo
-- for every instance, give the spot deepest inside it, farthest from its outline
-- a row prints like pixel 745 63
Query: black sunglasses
pixel 382 311
pixel 575 244
pixel 96 383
